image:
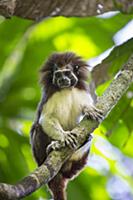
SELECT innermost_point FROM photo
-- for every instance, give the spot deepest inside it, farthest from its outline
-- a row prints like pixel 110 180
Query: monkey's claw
pixel 71 139
pixel 54 145
pixel 94 113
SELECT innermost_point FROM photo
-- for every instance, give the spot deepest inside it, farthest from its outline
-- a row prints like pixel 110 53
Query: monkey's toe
pixel 54 145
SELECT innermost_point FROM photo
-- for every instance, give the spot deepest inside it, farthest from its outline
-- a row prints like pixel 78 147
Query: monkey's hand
pixel 70 139
pixel 93 113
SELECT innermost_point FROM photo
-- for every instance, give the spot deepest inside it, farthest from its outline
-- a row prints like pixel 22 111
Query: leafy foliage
pixel 24 47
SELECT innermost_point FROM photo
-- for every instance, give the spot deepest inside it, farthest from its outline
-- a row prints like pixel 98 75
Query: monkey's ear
pixel 55 67
pixel 76 69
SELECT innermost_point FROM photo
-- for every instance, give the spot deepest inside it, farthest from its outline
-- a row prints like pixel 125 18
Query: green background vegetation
pixel 24 46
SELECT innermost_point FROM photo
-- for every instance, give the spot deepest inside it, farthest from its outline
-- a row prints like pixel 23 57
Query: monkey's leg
pixel 70 168
pixel 57 187
pixel 75 163
pixel 39 143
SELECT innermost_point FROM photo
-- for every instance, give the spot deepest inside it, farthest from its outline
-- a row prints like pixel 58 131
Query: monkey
pixel 65 100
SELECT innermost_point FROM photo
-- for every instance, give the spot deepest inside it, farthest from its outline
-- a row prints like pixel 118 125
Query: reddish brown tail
pixel 58 184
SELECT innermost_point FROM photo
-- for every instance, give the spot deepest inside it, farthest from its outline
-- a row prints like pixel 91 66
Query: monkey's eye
pixel 67 73
pixel 58 74
pixel 76 69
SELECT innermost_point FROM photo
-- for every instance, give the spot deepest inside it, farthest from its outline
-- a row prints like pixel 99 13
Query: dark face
pixel 64 77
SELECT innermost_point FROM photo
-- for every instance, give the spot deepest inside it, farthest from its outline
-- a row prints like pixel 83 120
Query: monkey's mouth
pixel 64 86
pixel 64 82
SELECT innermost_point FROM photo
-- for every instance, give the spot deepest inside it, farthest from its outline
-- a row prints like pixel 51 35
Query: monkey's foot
pixel 71 139
pixel 93 113
pixel 55 145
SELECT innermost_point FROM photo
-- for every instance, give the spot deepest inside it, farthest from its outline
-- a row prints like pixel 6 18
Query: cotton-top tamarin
pixel 65 99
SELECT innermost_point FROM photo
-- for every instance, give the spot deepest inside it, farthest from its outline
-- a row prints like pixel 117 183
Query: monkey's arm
pixel 35 125
pixel 55 131
pixel 52 127
pixel 89 110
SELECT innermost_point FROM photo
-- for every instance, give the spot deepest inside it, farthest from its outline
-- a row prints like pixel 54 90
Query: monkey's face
pixel 64 77
pixel 63 70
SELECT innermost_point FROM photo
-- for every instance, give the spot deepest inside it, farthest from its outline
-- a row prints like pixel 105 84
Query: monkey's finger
pixel 74 142
pixel 73 137
pixel 74 134
pixel 71 143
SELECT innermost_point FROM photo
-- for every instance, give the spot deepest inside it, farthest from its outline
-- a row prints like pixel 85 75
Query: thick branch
pixel 39 9
pixel 7 7
pixel 55 159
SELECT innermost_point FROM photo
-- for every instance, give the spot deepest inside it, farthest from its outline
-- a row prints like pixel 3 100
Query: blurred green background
pixel 24 45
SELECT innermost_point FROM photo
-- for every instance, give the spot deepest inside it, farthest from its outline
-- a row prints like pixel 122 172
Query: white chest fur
pixel 66 106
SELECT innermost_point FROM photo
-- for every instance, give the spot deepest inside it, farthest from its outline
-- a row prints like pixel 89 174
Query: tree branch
pixel 7 7
pixel 55 159
pixel 39 9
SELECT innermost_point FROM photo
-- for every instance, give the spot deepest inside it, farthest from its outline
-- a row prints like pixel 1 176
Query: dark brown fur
pixel 39 139
pixel 62 60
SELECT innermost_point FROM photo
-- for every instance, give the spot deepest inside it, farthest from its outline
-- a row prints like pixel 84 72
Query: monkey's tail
pixel 57 186
pixel 71 168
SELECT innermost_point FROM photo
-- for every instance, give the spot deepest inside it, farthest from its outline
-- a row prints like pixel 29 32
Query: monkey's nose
pixel 64 81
